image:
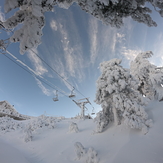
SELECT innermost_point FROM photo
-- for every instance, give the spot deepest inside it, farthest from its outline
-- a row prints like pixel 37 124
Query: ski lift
pixel 93 111
pixel 72 93
pixel 56 97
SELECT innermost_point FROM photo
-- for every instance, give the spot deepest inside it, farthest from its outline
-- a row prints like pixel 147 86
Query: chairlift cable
pixel 45 82
pixel 56 88
pixel 57 73
pixel 51 68
pixel 34 75
pixel 29 71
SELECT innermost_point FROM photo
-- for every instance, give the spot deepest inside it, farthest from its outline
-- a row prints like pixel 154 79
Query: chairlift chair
pixel 72 93
pixel 56 97
pixel 93 111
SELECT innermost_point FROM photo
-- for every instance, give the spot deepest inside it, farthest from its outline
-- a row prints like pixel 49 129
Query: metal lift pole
pixel 81 103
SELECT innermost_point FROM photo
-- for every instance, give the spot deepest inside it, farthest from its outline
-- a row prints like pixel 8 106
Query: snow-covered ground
pixel 57 142
pixel 7 109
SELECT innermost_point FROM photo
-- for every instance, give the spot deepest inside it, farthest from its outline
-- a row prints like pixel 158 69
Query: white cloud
pixel 44 90
pixel 130 54
pixel 72 53
pixel 157 59
pixel 93 32
pixel 38 65
pixel 120 37
pixel 23 64
pixel 60 68
pixel 68 51
pixel 2 16
pixel 53 25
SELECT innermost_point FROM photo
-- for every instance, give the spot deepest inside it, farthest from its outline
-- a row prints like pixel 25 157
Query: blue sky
pixel 74 44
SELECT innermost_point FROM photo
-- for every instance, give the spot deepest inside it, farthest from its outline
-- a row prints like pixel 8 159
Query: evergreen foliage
pixel 30 13
pixel 119 99
pixel 149 76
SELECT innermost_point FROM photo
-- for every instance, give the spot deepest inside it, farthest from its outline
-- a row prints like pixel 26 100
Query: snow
pixel 10 154
pixel 149 76
pixel 7 109
pixel 117 144
pixel 120 102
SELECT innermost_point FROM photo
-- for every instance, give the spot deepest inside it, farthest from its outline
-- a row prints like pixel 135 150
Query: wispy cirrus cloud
pixel 53 25
pixel 23 64
pixel 157 59
pixel 72 57
pixel 60 69
pixel 68 50
pixel 46 91
pixel 130 54
pixel 103 41
pixel 37 63
pixel 93 35
pixel 66 56
pixel 34 73
pixel 2 16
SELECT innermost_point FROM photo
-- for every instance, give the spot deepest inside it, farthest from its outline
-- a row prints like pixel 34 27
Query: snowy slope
pixel 10 154
pixel 7 109
pixel 118 144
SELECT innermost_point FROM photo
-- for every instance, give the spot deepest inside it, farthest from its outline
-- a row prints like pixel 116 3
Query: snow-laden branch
pixel 30 14
pixel 118 96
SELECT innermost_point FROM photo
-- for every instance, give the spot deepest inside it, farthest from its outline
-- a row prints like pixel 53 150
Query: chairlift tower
pixel 81 103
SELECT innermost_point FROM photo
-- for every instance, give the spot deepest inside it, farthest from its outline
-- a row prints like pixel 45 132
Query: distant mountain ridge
pixel 6 109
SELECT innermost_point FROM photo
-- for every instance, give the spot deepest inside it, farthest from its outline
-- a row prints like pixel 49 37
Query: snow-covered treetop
pixel 36 7
pixel 141 64
pixel 5 105
pixel 150 77
pixel 114 79
pixel 9 110
pixel 110 63
pixel 118 96
pixel 143 55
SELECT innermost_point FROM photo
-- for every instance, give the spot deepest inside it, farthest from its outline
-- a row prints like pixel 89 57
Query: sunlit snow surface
pixel 117 144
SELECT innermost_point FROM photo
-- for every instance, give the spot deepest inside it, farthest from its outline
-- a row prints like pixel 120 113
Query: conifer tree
pixel 149 76
pixel 119 99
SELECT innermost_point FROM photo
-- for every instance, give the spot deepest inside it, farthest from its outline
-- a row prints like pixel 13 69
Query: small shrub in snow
pixel 92 156
pixel 38 123
pixel 73 127
pixel 101 121
pixel 80 150
pixel 28 133
pixel 8 124
pixel 87 156
pixel 43 121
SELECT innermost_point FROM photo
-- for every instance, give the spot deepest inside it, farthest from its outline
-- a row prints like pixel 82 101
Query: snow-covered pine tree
pixel 149 76
pixel 86 155
pixel 30 14
pixel 28 133
pixel 117 95
pixel 73 127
